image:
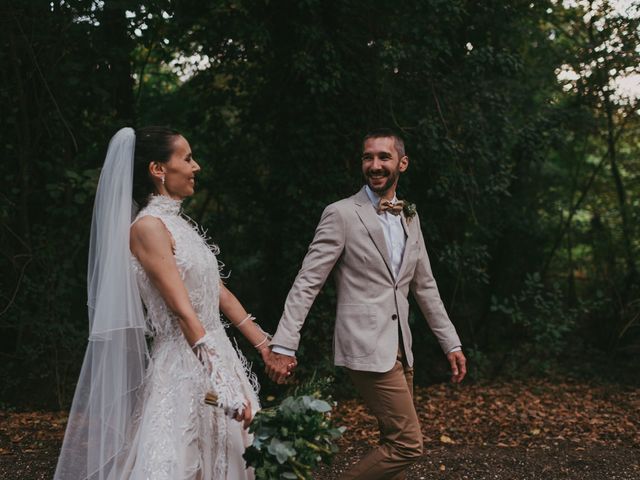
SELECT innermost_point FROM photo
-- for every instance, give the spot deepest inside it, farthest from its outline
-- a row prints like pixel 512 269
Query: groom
pixel 377 254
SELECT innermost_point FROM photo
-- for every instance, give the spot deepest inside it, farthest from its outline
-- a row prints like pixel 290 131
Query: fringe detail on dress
pixel 246 365
pixel 203 232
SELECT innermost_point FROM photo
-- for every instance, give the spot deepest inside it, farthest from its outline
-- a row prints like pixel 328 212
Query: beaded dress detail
pixel 175 435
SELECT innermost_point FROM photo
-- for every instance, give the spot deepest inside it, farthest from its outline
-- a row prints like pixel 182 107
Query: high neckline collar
pixel 165 204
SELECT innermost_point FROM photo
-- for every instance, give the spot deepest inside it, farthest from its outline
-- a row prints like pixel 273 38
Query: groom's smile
pixel 381 164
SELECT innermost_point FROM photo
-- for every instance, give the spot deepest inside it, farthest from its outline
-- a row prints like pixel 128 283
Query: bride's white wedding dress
pixel 175 435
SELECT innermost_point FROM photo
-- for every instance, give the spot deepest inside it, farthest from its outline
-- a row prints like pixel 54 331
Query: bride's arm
pixel 231 307
pixel 150 242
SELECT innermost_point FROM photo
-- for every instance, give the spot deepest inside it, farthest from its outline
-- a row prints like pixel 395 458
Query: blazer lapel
pixel 405 225
pixel 368 215
pixel 408 244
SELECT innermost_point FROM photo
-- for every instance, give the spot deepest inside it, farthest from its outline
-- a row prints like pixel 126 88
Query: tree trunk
pixel 621 194
pixel 24 142
pixel 118 47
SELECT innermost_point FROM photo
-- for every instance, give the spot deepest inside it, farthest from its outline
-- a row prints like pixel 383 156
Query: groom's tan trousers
pixel 389 397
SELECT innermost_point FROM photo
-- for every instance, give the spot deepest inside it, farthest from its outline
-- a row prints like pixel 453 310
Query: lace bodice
pixel 197 264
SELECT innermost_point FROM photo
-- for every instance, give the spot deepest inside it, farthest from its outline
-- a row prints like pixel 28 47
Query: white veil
pixel 115 360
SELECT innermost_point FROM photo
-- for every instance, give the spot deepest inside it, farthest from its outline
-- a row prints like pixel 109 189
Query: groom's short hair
pixel 387 133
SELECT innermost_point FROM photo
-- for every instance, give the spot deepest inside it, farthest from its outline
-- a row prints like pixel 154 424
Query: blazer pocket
pixel 356 329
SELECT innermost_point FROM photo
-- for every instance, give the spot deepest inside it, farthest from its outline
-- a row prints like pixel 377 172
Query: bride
pixel 139 412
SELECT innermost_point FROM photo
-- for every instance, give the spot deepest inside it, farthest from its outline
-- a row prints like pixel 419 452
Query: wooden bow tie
pixel 393 208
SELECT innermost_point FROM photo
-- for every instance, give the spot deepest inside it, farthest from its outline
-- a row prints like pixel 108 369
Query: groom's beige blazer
pixel 371 304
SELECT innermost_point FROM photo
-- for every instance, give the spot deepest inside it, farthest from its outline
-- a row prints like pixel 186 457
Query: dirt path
pixel 514 431
pixel 444 463
pixel 515 463
pixel 510 431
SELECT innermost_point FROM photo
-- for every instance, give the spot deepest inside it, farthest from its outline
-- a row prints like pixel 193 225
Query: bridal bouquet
pixel 291 439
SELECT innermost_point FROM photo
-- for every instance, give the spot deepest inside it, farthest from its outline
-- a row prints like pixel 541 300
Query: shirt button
pixel 394 317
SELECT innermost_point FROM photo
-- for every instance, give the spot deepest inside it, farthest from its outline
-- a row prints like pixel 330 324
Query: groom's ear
pixel 404 163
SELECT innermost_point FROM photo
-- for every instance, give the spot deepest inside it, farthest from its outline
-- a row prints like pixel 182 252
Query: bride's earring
pixel 162 178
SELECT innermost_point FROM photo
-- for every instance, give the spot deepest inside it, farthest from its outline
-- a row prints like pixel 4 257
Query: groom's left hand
pixel 458 366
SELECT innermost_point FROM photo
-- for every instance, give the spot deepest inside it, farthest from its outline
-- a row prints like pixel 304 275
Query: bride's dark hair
pixel 153 144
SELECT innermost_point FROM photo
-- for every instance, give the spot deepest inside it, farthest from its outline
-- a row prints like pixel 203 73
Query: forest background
pixel 520 118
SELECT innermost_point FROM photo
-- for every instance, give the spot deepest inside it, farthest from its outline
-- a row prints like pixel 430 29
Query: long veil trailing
pixel 116 356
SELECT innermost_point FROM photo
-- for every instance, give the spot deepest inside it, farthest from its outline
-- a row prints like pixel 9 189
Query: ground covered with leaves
pixel 532 430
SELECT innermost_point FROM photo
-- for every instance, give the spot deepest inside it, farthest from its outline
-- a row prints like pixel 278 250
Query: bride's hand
pixel 245 416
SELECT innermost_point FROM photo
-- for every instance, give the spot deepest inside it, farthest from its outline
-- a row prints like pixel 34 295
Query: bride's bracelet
pixel 267 337
pixel 248 317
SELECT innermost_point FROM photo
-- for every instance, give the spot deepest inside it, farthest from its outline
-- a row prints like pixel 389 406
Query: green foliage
pixel 290 440
pixel 512 171
pixel 542 321
pixel 478 363
pixel 540 312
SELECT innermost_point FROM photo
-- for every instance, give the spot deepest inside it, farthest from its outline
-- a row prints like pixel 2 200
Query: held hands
pixel 279 367
pixel 458 366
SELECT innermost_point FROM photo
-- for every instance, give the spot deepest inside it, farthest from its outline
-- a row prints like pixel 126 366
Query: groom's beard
pixel 391 179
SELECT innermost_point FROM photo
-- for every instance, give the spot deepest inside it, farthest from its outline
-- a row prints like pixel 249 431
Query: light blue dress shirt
pixel 394 235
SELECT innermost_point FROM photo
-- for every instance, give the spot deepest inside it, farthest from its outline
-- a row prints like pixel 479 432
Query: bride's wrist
pixel 264 352
pixel 264 343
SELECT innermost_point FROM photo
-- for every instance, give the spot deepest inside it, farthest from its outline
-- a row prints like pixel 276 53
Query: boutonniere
pixel 409 210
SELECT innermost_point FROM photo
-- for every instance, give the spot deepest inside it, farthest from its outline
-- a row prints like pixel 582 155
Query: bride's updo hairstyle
pixel 153 144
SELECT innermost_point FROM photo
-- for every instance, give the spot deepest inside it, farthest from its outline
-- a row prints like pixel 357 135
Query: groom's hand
pixel 458 366
pixel 279 367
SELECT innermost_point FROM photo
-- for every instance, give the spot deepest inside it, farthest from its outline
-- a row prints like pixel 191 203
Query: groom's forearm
pixel 428 299
pixel 299 301
pixel 425 291
pixel 323 253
